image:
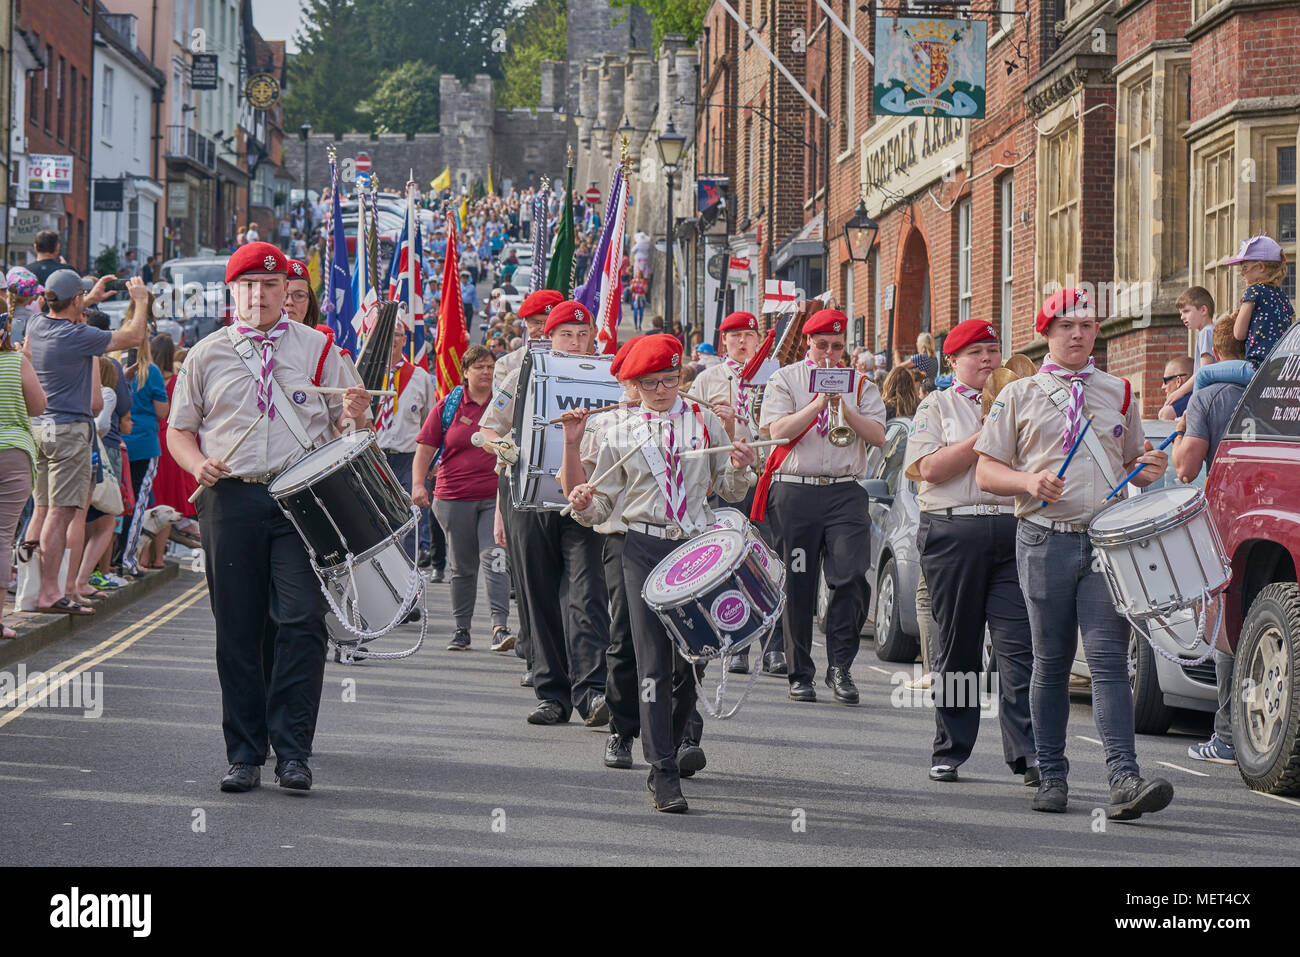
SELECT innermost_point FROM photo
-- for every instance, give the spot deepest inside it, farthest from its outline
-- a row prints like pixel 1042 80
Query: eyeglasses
pixel 653 385
pixel 1170 378
pixel 300 296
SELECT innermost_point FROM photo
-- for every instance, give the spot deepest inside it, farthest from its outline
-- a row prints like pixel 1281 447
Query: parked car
pixel 193 293
pixel 1253 492
pixel 519 282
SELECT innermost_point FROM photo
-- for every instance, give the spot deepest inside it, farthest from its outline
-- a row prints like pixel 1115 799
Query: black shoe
pixel 412 615
pixel 460 641
pixel 943 772
pixel 739 665
pixel 667 791
pixel 1033 777
pixel 774 664
pixel 437 575
pixel 841 684
pixel 599 716
pixel 241 778
pixel 1053 795
pixel 618 751
pixel 425 559
pixel 1132 796
pixel 294 775
pixel 690 758
pixel 526 679
pixel 802 691
pixel 547 712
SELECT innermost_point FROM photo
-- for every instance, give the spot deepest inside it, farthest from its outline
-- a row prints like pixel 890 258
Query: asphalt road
pixel 433 763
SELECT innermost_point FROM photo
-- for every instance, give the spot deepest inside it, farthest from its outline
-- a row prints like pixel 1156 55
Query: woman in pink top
pixel 465 498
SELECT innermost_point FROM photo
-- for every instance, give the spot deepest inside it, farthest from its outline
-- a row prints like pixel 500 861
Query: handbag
pixel 107 494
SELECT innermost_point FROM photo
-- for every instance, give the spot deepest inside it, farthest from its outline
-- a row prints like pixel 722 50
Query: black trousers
pixel 568 636
pixel 969 562
pixel 666 679
pixel 258 572
pixel 824 524
pixel 620 658
pixel 515 556
pixel 776 640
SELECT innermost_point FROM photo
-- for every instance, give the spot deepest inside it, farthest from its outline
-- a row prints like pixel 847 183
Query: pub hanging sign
pixel 930 67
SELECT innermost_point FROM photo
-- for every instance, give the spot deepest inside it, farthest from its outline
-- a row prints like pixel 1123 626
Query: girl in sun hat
pixel 23 289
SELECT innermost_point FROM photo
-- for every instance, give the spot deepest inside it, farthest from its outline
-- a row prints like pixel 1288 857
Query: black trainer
pixel 1132 796
pixel 690 758
pixel 526 679
pixel 943 772
pixel 547 712
pixel 1053 796
pixel 667 792
pixel 459 641
pixel 739 665
pixel 618 751
pixel 1033 777
pixel 599 716
pixel 293 774
pixel 241 778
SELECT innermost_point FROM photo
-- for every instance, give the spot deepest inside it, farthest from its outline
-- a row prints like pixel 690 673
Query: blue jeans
pixel 1229 370
pixel 638 310
pixel 1066 598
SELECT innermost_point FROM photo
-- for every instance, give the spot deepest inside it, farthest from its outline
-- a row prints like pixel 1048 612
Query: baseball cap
pixel 64 284
pixel 706 349
pixel 1256 249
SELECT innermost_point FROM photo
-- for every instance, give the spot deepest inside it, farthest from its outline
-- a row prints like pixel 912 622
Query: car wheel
pixel 1266 692
pixel 1150 713
pixel 891 643
pixel 823 601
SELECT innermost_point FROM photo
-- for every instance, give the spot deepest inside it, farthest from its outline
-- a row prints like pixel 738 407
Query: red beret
pixel 568 311
pixel 739 322
pixel 827 320
pixel 650 354
pixel 298 270
pixel 255 258
pixel 965 333
pixel 620 356
pixel 1058 304
pixel 539 303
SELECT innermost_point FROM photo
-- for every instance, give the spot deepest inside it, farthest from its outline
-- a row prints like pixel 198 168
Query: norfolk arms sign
pixel 901 155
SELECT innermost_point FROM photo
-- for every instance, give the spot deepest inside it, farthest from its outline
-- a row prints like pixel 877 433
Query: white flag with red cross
pixel 778 295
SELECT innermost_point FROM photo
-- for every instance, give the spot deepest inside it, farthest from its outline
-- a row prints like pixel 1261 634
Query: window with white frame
pixel 1006 230
pixel 1279 181
pixel 1217 173
pixel 135 127
pixel 106 104
pixel 1058 204
pixel 963 259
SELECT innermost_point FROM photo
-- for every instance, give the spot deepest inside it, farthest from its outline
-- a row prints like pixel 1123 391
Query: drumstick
pixel 761 443
pixel 1128 478
pixel 1074 448
pixel 233 449
pixel 326 390
pixel 568 509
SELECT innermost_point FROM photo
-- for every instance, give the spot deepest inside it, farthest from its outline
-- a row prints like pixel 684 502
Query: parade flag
pixel 443 180
pixel 452 337
pixel 463 212
pixel 778 295
pixel 591 292
pixel 364 295
pixel 404 284
pixel 489 185
pixel 340 306
pixel 541 233
pixel 313 270
pixel 559 275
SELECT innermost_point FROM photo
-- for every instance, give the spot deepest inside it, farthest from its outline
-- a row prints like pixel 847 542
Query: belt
pixel 814 479
pixel 978 510
pixel 670 532
pixel 258 478
pixel 1073 528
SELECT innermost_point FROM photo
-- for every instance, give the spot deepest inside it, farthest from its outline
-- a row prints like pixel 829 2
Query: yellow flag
pixel 314 278
pixel 443 181
pixel 464 213
pixel 489 189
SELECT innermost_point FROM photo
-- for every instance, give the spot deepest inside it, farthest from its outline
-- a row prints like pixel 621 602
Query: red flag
pixel 758 358
pixel 452 338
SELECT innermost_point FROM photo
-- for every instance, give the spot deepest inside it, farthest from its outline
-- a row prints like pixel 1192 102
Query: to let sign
pixel 49 173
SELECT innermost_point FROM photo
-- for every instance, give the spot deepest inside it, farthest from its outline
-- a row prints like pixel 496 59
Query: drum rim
pixel 369 553
pixel 1167 520
pixel 350 437
pixel 744 554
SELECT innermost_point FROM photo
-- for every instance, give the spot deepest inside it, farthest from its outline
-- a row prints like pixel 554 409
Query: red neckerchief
pixel 397 380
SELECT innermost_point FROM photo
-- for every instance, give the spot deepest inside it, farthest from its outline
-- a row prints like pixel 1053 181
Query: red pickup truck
pixel 1253 491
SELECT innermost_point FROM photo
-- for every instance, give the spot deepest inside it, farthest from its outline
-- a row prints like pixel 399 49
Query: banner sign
pixel 709 192
pixel 927 67
pixel 48 173
pixel 108 196
pixel 203 72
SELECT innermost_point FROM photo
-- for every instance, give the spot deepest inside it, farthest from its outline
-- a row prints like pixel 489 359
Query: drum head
pixel 731 518
pixel 694 568
pixel 1149 508
pixel 321 461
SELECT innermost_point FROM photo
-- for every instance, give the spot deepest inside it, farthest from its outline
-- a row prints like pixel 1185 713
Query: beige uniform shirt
pixel 500 414
pixel 507 364
pixel 644 495
pixel 1025 430
pixel 412 408
pixel 787 391
pixel 216 398
pixel 593 434
pixel 721 383
pixel 946 418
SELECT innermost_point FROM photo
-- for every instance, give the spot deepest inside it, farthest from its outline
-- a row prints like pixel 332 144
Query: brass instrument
pixel 841 436
pixel 1016 367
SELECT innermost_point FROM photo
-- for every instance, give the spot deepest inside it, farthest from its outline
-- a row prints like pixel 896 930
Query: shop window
pixel 1058 248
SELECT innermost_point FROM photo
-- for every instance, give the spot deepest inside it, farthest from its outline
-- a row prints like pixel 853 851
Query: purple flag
pixel 589 292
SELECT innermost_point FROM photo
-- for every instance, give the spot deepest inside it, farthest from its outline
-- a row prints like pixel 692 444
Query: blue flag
pixel 340 307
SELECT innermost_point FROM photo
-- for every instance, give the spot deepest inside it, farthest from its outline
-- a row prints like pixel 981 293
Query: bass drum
pixel 550 384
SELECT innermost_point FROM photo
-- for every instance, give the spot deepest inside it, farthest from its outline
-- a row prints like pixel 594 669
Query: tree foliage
pixel 538 34
pixel 406 100
pixel 671 16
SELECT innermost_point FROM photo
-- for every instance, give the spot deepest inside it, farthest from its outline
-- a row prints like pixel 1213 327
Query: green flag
pixel 559 275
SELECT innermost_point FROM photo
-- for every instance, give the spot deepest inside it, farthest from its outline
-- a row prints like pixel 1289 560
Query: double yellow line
pixel 101 652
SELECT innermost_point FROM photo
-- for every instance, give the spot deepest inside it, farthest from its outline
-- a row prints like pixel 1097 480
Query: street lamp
pixel 671 143
pixel 305 131
pixel 860 234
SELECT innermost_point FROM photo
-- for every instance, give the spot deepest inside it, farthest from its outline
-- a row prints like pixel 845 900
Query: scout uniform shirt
pixel 645 499
pixel 588 449
pixel 216 398
pixel 507 364
pixel 1025 430
pixel 787 391
pixel 500 414
pixel 942 419
pixel 721 383
pixel 404 419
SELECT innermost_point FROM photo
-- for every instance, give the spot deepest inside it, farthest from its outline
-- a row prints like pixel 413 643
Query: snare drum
pixel 345 501
pixel 1160 552
pixel 712 589
pixel 550 384
pixel 735 520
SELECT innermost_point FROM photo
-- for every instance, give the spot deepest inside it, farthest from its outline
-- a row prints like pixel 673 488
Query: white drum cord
pixel 1200 634
pixel 714 708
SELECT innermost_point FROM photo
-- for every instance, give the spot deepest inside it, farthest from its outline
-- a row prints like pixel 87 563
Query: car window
pixel 893 452
pixel 181 273
pixel 1270 407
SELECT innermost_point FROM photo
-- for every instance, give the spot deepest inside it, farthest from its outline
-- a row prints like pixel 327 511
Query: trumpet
pixel 841 436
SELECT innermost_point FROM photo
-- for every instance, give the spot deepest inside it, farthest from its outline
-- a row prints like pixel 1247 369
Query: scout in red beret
pixel 968 332
pixel 650 354
pixel 828 322
pixel 563 312
pixel 256 274
pixel 1060 303
pixel 739 321
pixel 256 258
pixel 298 269
pixel 539 303
pixel 570 328
pixel 620 357
pixel 300 301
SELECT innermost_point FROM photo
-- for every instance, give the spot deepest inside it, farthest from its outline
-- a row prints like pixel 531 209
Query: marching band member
pixel 1031 426
pixel 665 502
pixel 967 541
pixel 257 566
pixel 819 511
pixel 733 399
pixel 568 644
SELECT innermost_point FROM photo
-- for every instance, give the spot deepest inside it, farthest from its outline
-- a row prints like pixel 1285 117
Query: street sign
pixel 24 226
pixel 592 195
pixel 717 265
pixel 739 264
pixel 203 72
pixel 363 162
pixel 107 196
pixel 889 296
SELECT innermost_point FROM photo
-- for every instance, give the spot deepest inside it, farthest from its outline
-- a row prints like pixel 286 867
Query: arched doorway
pixel 912 298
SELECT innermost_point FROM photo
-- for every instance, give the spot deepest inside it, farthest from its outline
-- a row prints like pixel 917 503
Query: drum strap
pixel 1060 398
pixel 284 409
